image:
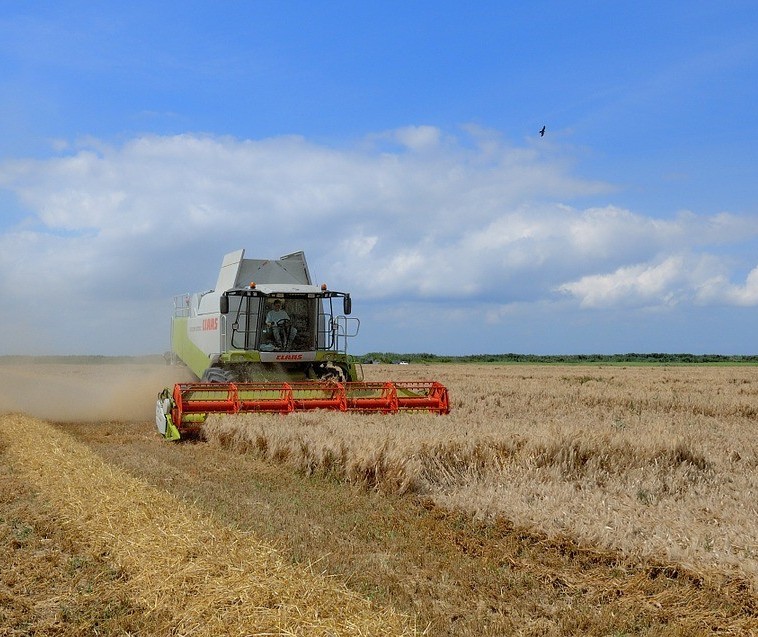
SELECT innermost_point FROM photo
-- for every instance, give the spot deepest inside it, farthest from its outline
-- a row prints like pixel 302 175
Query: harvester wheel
pixel 331 371
pixel 217 375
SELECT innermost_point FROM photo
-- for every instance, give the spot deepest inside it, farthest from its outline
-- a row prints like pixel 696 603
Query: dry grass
pixel 657 462
pixel 48 584
pixel 186 573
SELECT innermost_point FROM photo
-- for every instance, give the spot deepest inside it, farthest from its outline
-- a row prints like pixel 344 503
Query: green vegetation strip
pixel 632 358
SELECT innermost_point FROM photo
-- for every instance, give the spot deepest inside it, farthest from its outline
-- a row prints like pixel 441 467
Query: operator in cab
pixel 281 326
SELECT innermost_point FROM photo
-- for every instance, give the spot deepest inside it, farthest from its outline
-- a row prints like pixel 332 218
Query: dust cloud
pixel 87 393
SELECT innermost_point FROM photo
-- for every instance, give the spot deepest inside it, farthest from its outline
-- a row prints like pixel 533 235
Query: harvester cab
pixel 266 339
pixel 265 320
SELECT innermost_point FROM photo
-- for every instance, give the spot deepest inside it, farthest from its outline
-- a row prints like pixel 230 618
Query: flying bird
pixel 542 131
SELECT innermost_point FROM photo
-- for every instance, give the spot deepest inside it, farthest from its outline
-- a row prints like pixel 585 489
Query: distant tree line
pixel 424 357
pixel 658 358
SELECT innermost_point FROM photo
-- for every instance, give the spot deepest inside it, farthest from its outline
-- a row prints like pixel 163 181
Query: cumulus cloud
pixel 432 217
pixel 674 280
pixel 417 138
pixel 639 285
pixel 719 290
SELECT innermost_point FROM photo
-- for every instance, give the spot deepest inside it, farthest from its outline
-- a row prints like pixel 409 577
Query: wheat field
pixel 553 500
pixel 657 462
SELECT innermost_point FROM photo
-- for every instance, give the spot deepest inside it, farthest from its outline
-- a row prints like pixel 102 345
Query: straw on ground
pixel 193 575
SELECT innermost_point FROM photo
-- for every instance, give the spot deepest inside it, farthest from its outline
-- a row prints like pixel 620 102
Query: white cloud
pixel 469 221
pixel 699 279
pixel 719 290
pixel 639 285
pixel 418 137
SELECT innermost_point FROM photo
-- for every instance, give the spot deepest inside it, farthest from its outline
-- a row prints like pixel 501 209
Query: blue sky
pixel 397 144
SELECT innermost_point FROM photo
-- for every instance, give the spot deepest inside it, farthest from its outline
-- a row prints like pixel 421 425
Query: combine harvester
pixel 266 340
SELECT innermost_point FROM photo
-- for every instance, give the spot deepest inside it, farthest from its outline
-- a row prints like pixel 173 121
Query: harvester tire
pixel 331 371
pixel 217 375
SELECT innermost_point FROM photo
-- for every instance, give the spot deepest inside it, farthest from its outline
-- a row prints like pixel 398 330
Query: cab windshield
pixel 288 324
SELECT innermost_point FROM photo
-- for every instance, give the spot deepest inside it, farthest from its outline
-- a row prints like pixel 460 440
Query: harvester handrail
pixel 181 305
pixel 342 333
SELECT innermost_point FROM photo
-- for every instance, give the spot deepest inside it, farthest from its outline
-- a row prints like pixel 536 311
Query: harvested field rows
pixel 184 573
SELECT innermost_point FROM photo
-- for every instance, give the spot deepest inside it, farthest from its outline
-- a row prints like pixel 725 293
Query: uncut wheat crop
pixel 657 462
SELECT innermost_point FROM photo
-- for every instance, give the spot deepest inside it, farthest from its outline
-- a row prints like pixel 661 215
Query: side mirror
pixel 224 304
pixel 347 305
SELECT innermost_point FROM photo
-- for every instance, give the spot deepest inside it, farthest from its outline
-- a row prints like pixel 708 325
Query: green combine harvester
pixel 266 339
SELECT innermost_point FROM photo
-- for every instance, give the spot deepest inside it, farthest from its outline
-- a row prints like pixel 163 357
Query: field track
pixel 186 574
pixel 414 559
